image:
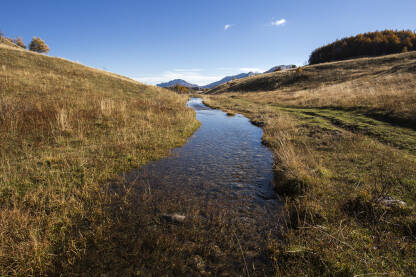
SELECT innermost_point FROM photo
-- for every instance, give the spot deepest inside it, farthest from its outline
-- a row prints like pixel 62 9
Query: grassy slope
pixel 66 129
pixel 343 135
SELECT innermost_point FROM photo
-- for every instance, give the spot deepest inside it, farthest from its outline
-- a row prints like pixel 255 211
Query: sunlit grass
pixel 341 148
pixel 65 131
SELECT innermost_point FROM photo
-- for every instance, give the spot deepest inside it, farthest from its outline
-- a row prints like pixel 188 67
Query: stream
pixel 223 171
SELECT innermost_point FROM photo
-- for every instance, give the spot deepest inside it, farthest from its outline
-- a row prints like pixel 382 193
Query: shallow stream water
pixel 222 174
pixel 224 159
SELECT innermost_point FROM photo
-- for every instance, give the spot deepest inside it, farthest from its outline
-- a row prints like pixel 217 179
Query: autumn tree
pixel 38 45
pixel 19 42
pixel 364 45
pixel 180 89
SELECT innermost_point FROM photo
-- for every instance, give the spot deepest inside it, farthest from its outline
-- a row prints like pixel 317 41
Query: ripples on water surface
pixel 223 160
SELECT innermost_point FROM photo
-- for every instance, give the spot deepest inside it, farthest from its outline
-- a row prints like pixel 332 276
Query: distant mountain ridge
pixel 177 82
pixel 229 78
pixel 222 81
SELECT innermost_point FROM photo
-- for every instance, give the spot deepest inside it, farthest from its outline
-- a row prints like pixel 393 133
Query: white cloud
pixel 228 26
pixel 193 76
pixel 251 69
pixel 278 22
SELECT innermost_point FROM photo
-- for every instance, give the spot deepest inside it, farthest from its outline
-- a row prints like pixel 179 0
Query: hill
pixel 229 78
pixel 243 75
pixel 220 82
pixel 282 67
pixel 65 131
pixel 175 82
pixel 6 42
pixel 344 140
pixel 365 45
pixel 314 76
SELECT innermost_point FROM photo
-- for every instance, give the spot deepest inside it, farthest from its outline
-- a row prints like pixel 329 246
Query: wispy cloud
pixel 228 26
pixel 278 22
pixel 193 76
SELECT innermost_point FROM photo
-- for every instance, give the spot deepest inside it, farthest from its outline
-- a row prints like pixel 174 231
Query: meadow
pixel 343 136
pixel 66 131
pixel 342 133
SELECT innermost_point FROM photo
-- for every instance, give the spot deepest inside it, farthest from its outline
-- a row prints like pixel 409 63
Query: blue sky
pixel 198 40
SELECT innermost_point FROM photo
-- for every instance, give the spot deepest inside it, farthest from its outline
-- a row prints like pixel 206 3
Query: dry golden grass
pixel 66 130
pixel 314 76
pixel 384 84
pixel 5 42
pixel 393 95
pixel 342 147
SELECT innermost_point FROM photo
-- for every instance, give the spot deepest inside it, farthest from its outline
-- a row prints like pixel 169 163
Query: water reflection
pixel 224 161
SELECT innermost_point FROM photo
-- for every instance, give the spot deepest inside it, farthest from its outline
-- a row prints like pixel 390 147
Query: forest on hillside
pixel 364 45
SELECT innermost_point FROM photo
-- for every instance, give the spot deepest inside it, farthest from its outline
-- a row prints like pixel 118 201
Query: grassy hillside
pixel 65 130
pixel 6 42
pixel 314 76
pixel 343 135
